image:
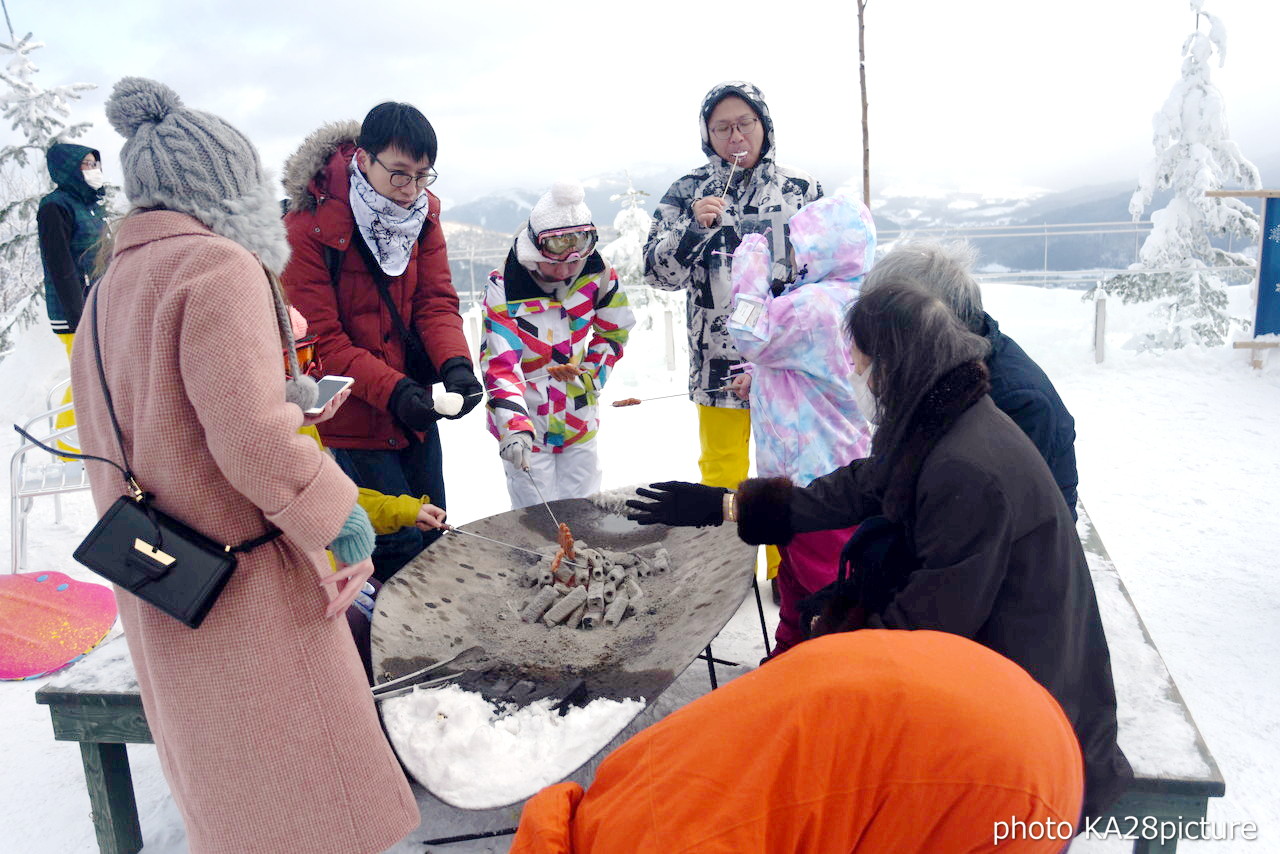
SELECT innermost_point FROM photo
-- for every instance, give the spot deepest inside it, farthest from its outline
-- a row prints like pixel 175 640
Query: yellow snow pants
pixel 68 418
pixel 725 438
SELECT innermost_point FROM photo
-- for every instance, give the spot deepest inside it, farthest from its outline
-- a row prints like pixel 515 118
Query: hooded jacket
pixel 527 330
pixel 804 412
pixel 1024 392
pixel 69 224
pixel 878 742
pixel 682 255
pixel 356 336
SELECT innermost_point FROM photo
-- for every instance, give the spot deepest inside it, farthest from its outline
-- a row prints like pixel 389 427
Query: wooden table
pixel 96 703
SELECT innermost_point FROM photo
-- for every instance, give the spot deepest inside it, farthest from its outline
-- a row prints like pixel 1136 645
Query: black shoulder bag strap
pixel 416 358
pixel 135 489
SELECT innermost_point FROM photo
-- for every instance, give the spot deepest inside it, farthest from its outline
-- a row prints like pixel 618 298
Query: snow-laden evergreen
pixel 41 117
pixel 1179 268
pixel 626 252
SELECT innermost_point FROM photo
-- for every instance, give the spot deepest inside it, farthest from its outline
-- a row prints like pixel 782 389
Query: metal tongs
pixel 427 676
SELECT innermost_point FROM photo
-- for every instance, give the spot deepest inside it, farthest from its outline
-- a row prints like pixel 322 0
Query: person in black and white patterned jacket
pixel 696 227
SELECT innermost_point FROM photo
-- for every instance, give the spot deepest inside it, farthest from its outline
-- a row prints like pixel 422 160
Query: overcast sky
pixel 987 94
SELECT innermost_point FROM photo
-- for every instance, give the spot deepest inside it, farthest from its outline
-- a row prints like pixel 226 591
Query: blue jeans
pixel 417 470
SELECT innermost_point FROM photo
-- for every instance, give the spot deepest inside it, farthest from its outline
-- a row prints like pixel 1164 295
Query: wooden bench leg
pixel 115 812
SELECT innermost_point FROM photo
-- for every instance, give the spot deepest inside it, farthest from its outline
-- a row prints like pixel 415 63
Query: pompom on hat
pixel 562 206
pixel 195 163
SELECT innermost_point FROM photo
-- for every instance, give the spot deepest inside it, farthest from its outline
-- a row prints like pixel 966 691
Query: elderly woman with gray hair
pixel 1019 388
pixel 961 527
pixel 265 728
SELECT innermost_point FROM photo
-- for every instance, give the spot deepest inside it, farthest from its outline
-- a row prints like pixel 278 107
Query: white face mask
pixel 94 178
pixel 863 395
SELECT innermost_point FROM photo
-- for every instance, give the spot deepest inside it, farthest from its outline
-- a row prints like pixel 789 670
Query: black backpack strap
pixel 333 260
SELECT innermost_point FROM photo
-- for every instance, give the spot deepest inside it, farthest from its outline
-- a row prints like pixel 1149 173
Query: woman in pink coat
pixel 265 727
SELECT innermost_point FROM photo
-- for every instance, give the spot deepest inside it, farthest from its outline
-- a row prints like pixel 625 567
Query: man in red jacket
pixel 370 274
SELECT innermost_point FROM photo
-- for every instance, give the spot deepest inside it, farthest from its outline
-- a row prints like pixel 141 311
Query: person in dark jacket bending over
pixel 1019 388
pixel 69 224
pixel 975 537
pixel 370 274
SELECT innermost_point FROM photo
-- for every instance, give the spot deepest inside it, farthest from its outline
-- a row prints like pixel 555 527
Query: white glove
pixel 515 449
pixel 447 403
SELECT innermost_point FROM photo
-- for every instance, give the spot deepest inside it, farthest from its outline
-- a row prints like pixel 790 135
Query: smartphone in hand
pixel 329 387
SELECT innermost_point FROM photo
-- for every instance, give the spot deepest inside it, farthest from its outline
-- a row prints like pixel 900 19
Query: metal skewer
pixel 729 180
pixel 544 501
pixel 682 394
pixel 452 530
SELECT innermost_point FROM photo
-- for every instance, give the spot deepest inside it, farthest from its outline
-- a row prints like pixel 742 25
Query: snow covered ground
pixel 1179 459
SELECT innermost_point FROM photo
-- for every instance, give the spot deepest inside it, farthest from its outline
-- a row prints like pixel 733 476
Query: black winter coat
pixel 1023 392
pixel 999 561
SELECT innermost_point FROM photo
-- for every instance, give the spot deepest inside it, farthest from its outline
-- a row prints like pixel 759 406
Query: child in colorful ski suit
pixel 804 408
pixel 556 320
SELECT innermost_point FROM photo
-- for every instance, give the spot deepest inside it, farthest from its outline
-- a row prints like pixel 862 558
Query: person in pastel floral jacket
pixel 804 402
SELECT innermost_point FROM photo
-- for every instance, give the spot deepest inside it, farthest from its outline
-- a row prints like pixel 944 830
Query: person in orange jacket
pixel 880 740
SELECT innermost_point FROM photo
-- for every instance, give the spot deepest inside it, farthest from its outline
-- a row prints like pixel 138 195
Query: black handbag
pixel 149 553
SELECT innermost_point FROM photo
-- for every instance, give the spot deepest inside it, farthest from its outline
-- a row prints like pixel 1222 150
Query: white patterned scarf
pixel 388 229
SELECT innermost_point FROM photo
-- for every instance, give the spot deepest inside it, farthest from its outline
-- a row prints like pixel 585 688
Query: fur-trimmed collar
pixel 310 159
pixel 953 393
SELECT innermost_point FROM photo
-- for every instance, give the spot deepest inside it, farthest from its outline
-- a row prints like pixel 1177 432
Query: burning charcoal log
pixel 622 559
pixel 592 618
pixel 562 589
pixel 562 610
pixel 595 598
pixel 564 574
pixel 539 604
pixel 631 588
pixel 530 576
pixel 661 561
pixel 582 575
pixel 546 577
pixel 575 619
pixel 616 611
pixel 643 569
pixel 615 576
pixel 610 591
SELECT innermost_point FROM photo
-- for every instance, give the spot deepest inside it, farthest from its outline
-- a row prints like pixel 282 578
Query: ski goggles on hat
pixel 563 244
pixel 308 360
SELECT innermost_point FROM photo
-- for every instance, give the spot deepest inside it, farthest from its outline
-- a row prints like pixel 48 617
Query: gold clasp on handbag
pixel 153 552
pixel 135 490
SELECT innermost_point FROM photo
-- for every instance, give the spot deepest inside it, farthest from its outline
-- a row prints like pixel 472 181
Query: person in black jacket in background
pixel 962 528
pixel 1019 388
pixel 69 226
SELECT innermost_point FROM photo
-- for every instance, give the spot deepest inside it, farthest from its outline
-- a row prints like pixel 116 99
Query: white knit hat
pixel 560 207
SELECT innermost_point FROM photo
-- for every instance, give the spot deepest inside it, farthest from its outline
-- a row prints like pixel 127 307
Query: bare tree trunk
pixel 862 80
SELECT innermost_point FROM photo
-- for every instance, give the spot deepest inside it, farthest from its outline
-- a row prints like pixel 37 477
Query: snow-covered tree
pixel 39 116
pixel 1178 267
pixel 626 253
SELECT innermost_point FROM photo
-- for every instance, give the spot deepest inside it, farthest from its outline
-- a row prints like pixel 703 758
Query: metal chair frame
pixel 27 480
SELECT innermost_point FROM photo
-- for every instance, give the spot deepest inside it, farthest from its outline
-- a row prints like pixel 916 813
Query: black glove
pixel 680 504
pixel 410 403
pixel 460 378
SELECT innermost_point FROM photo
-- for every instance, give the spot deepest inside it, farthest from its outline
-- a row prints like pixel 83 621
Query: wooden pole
pixel 862 80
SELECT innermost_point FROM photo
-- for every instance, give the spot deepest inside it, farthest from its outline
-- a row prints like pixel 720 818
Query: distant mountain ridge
pixel 925 213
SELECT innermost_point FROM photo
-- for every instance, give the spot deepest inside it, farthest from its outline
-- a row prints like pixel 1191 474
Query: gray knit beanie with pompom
pixel 195 163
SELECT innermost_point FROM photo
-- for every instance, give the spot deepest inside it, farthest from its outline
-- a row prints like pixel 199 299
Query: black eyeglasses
pixel 403 179
pixel 724 130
